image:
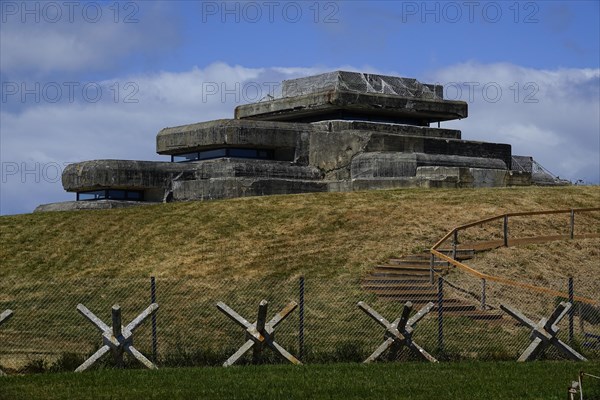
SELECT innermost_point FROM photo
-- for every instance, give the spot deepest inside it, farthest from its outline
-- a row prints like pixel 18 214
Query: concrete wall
pixel 224 188
pixel 314 106
pixel 229 132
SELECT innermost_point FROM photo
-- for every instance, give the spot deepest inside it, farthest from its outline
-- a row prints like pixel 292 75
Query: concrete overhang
pixel 388 128
pixel 341 104
pixel 229 132
pixel 120 174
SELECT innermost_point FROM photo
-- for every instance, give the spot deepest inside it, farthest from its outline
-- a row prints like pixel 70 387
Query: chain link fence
pixel 47 333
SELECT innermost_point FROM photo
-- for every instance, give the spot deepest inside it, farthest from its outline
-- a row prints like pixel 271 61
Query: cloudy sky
pixel 97 80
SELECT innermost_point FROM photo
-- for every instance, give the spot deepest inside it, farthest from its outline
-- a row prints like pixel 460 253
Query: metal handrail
pixel 540 289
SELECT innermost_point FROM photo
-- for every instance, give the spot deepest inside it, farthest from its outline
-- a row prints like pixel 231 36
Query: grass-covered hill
pixel 326 234
pixel 243 250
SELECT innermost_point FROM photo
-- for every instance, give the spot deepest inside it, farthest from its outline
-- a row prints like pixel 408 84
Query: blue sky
pixel 94 80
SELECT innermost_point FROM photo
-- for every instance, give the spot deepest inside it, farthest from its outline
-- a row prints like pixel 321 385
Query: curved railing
pixel 506 241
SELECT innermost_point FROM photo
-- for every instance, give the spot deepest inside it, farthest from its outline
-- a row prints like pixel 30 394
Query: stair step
pixel 409 262
pixel 420 303
pixel 457 308
pixel 416 257
pixel 397 285
pixel 400 280
pixel 389 292
pixel 408 297
pixel 392 273
pixel 411 266
pixel 407 267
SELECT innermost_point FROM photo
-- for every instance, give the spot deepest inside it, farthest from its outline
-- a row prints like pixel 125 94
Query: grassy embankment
pixel 241 250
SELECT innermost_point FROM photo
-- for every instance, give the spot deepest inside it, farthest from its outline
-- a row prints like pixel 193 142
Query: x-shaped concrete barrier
pixel 5 316
pixel 399 332
pixel 260 333
pixel 117 338
pixel 544 333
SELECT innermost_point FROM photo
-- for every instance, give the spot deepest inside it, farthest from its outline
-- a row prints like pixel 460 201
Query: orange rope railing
pixel 452 260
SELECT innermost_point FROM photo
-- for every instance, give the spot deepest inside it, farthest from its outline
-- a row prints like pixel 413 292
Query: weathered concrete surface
pixel 383 165
pixel 406 182
pixel 357 106
pixel 537 175
pixel 518 178
pixel 334 150
pixel 466 177
pixel 122 174
pixel 89 205
pixel 225 188
pixel 522 163
pixel 362 83
pixel 396 165
pixel 158 176
pixel 542 178
pixel 337 131
pixel 389 128
pixel 438 177
pixel 230 132
pixel 244 168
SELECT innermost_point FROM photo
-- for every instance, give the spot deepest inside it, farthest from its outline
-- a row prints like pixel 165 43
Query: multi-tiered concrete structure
pixel 339 131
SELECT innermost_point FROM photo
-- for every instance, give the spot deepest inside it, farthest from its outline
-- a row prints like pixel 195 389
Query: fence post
pixel 454 243
pixel 440 314
pixel 301 322
pixel 483 293
pixel 431 268
pixel 572 235
pixel 572 310
pixel 116 331
pixel 505 230
pixel 152 301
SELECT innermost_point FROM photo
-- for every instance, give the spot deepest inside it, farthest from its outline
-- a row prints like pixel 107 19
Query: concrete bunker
pixel 338 131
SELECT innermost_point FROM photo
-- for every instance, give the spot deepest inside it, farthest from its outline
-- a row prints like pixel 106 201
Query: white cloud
pixel 81 41
pixel 41 136
pixel 552 115
pixel 561 130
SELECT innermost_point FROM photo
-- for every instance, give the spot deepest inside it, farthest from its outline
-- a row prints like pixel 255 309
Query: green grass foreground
pixel 467 380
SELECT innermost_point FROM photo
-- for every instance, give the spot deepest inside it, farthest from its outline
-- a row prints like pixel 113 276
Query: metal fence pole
pixel 152 301
pixel 483 284
pixel 301 322
pixel 505 230
pixel 572 235
pixel 454 243
pixel 431 268
pixel 440 314
pixel 572 310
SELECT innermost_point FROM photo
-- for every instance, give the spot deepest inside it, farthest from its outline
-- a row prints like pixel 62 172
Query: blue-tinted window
pixel 112 194
pixel 243 153
pixel 117 194
pixel 131 195
pixel 184 157
pixel 208 154
pixel 92 195
pixel 235 152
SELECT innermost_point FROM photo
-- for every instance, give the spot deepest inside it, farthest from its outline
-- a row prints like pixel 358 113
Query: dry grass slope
pixel 333 234
pixel 238 250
